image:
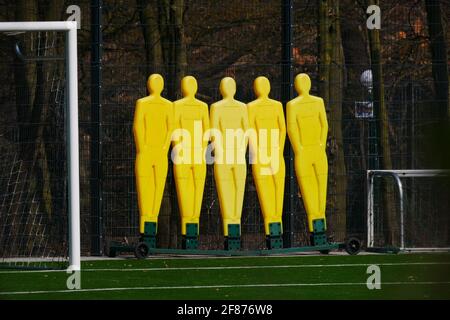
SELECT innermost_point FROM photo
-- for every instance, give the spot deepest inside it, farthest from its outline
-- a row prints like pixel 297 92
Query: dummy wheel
pixel 141 251
pixel 352 246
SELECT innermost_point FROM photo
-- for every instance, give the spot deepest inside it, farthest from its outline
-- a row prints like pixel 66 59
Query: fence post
pixel 96 129
pixel 287 85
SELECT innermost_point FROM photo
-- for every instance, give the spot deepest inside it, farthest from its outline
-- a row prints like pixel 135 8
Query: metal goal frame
pixel 70 30
pixel 396 175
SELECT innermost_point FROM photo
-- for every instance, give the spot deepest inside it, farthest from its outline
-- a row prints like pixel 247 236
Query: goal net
pixel 39 183
pixel 408 209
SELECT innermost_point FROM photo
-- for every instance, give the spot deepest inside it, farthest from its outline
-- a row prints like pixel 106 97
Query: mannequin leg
pixel 308 188
pixel 185 189
pixel 145 192
pixel 225 190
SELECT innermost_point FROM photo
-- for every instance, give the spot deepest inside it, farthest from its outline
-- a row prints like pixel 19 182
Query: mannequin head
pixel 261 87
pixel 227 87
pixel 189 86
pixel 302 84
pixel 155 84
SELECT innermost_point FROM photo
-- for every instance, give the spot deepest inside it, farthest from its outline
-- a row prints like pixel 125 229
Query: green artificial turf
pixel 403 276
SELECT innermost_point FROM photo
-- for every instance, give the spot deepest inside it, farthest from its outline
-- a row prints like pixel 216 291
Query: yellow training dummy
pixel 190 142
pixel 152 128
pixel 308 128
pixel 229 123
pixel 266 117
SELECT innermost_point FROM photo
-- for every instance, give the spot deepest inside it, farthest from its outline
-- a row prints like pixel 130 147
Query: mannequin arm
pixel 169 126
pixel 324 124
pixel 214 121
pixel 253 138
pixel 245 126
pixel 205 123
pixel 139 127
pixel 282 126
pixel 176 125
pixel 292 128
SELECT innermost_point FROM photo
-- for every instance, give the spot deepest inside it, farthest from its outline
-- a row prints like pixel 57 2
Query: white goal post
pixel 396 175
pixel 70 30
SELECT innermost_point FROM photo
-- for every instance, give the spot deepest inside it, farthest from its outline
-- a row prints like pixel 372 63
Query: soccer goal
pixel 39 155
pixel 418 218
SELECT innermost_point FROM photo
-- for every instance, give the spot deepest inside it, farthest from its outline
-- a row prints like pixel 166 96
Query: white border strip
pixel 278 285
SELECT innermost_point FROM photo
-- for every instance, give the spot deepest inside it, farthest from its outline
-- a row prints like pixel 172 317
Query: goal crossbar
pixel 396 175
pixel 70 30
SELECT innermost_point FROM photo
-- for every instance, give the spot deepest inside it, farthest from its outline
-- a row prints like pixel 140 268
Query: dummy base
pixel 190 240
pixel 274 239
pixel 318 237
pixel 149 235
pixel 233 240
pixel 116 247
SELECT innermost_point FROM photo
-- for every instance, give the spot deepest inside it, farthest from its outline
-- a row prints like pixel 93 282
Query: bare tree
pixel 165 46
pixel 382 118
pixel 331 73
pixel 438 45
pixel 33 103
pixel 164 37
pixel 33 106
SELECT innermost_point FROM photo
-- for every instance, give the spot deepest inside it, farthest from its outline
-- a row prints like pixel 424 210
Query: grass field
pixel 403 276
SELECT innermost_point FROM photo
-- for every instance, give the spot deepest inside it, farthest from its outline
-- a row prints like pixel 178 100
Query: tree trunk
pixel 53 11
pixel 163 29
pixel 331 89
pixel 354 42
pixel 150 28
pixel 438 157
pixel 25 77
pixel 171 26
pixel 325 50
pixel 25 73
pixel 382 117
pixel 179 41
pixel 33 100
pixel 438 46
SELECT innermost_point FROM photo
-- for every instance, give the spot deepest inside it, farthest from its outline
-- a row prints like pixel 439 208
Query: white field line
pixel 329 284
pixel 293 266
